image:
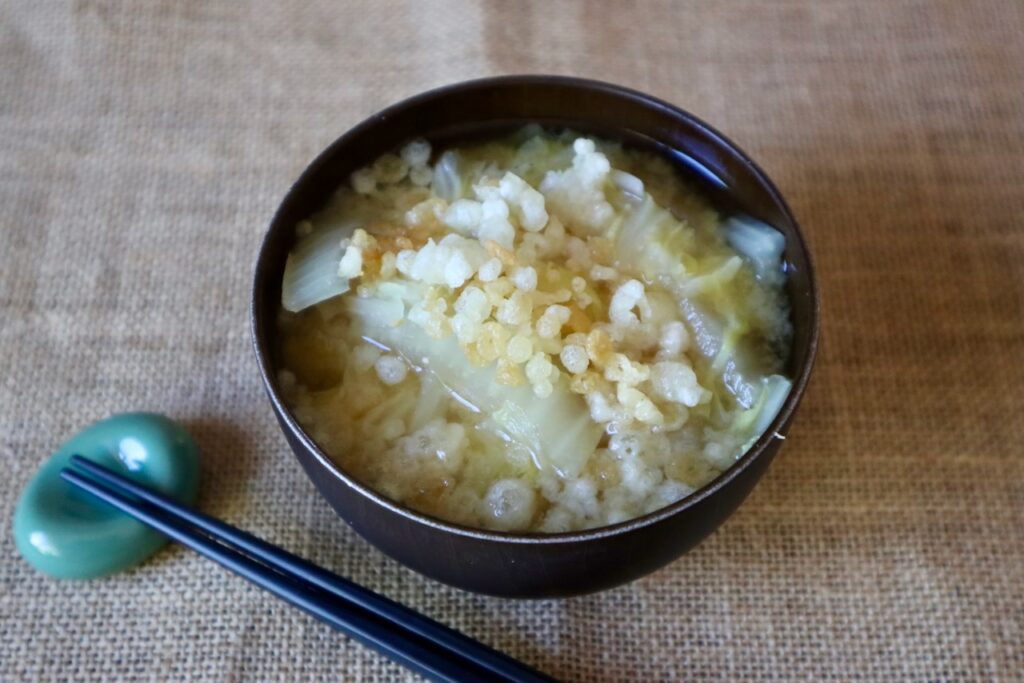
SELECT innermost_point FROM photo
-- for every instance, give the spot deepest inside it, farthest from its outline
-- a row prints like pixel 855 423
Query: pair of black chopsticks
pixel 409 638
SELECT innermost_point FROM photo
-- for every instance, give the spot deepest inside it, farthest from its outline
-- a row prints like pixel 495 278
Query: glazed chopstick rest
pixel 62 532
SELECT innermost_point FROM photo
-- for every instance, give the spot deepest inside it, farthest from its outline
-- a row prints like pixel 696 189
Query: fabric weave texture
pixel 144 147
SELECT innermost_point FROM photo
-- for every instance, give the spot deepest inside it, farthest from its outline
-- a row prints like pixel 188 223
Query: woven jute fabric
pixel 145 145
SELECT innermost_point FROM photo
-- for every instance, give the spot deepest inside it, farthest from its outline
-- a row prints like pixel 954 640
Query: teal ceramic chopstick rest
pixel 66 533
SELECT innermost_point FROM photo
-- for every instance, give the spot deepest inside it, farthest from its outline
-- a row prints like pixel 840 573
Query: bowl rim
pixel 752 454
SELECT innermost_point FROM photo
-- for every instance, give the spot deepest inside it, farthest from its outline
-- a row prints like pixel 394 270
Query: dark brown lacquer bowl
pixel 536 565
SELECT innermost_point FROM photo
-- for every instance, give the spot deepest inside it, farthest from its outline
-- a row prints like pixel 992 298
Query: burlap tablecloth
pixel 144 147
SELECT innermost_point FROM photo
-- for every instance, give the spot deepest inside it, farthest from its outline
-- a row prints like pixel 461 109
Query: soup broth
pixel 542 333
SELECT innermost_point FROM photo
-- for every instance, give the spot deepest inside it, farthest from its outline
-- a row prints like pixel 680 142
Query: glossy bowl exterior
pixel 534 565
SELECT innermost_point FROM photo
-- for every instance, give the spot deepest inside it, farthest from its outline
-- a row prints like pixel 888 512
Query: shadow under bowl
pixel 538 565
